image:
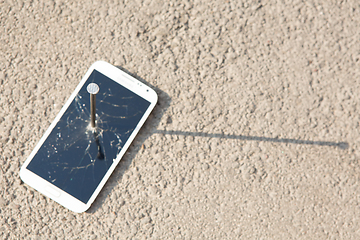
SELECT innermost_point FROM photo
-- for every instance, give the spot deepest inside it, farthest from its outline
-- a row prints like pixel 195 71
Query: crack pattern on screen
pixel 78 129
pixel 75 157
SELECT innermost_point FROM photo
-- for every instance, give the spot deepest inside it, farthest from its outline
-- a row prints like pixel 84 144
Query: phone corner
pixel 156 97
pixel 22 176
pixel 99 63
pixel 21 172
pixel 81 209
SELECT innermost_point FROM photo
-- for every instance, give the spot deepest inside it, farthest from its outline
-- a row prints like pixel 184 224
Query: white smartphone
pixel 74 159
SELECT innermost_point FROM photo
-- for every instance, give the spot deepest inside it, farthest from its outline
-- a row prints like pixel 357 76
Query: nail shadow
pixel 341 145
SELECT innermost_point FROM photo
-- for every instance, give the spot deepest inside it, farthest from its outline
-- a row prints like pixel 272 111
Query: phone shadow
pixel 146 131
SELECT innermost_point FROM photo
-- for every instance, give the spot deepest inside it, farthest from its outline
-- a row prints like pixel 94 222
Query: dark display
pixel 74 157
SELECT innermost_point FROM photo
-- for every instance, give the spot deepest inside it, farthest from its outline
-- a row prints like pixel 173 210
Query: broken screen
pixel 74 157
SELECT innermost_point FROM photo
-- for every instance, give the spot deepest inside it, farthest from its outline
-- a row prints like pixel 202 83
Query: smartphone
pixel 73 160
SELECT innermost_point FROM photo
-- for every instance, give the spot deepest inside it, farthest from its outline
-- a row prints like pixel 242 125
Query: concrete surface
pixel 256 135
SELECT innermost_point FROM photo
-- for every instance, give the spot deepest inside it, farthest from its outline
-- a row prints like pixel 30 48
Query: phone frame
pixel 56 193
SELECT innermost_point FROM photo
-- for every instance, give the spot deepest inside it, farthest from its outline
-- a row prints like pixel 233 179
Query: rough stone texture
pixel 254 98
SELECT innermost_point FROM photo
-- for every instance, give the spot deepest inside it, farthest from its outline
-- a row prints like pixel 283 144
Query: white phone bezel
pixel 56 193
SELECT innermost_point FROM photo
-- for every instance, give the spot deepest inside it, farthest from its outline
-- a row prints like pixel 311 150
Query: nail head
pixel 93 88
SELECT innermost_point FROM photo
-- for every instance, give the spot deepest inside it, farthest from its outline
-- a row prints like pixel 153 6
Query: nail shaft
pixel 93 89
pixel 93 109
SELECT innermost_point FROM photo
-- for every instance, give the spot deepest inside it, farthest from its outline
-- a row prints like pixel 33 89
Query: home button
pixel 52 191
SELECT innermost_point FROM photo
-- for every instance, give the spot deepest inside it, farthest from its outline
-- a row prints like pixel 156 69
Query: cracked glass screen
pixel 74 157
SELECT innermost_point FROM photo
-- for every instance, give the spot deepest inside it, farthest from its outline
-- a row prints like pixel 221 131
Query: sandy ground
pixel 256 134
